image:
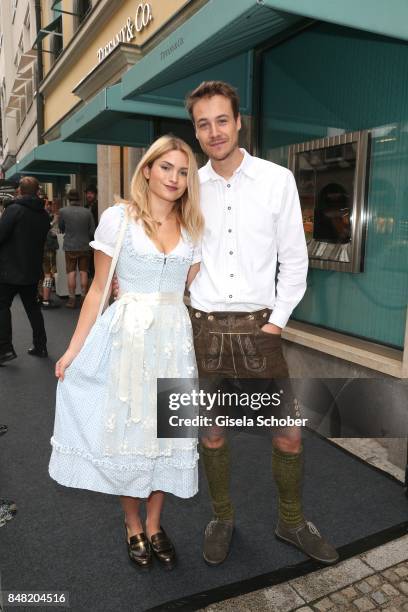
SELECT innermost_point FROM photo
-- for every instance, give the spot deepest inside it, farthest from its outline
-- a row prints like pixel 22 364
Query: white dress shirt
pixel 252 222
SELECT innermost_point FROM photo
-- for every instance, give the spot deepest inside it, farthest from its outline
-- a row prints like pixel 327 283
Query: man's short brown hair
pixel 29 186
pixel 208 89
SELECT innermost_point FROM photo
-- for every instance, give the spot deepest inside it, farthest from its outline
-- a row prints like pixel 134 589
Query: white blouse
pixel 107 232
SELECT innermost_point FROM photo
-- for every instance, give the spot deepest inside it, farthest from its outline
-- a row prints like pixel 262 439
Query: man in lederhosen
pixel 240 306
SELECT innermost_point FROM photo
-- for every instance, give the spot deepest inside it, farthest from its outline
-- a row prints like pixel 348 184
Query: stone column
pixel 108 159
pixel 131 158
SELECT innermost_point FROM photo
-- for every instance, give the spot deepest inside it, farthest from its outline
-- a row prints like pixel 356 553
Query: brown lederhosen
pixel 232 345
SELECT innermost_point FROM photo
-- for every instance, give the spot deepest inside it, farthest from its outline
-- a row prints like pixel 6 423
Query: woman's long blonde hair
pixel 187 208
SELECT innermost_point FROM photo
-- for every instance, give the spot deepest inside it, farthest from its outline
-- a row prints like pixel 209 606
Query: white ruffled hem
pixel 180 458
pixel 82 471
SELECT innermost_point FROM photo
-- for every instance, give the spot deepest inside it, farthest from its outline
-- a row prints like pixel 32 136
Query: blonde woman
pixel 105 425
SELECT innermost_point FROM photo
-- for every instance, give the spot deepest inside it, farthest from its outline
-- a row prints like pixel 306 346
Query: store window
pixel 13 9
pixel 343 84
pixel 56 42
pixel 26 33
pixel 81 10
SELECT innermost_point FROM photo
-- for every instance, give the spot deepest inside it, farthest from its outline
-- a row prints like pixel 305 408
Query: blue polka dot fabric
pixel 105 421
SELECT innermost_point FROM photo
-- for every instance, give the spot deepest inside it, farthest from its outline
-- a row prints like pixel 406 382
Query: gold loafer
pixel 139 550
pixel 163 549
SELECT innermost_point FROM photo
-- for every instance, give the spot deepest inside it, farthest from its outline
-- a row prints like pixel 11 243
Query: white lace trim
pixel 143 462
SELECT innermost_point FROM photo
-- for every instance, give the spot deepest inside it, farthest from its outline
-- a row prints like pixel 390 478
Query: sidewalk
pixel 376 580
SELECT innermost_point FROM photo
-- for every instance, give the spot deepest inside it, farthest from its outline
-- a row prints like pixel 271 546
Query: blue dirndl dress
pixel 105 422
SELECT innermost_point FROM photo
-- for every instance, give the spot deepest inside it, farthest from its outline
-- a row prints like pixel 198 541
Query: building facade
pixel 18 70
pixel 114 77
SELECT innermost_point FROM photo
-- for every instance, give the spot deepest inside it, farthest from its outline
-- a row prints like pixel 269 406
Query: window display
pixel 331 175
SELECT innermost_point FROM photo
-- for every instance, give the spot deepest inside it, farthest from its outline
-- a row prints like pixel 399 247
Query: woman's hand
pixel 192 273
pixel 63 363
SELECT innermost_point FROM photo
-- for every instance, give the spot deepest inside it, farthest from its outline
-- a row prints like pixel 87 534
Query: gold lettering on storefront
pixel 127 33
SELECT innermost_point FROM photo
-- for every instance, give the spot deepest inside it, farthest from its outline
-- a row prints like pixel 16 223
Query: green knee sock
pixel 217 468
pixel 287 469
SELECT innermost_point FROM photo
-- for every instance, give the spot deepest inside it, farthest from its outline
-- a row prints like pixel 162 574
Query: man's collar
pixel 208 173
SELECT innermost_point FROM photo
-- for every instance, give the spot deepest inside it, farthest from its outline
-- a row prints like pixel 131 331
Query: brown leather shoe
pixel 309 540
pixel 139 550
pixel 163 549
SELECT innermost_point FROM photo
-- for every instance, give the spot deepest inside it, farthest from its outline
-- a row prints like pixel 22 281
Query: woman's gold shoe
pixel 163 549
pixel 139 549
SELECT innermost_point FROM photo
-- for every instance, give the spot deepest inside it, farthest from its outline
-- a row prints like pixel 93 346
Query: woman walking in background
pixel 105 425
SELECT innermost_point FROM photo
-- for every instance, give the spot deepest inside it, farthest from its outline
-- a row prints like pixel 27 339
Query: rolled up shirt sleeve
pixel 106 233
pixel 292 256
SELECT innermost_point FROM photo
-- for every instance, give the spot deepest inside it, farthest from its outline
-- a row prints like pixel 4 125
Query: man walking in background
pixel 91 201
pixel 23 229
pixel 77 223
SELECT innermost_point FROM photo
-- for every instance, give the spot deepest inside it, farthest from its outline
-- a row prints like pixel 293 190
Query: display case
pixel 332 175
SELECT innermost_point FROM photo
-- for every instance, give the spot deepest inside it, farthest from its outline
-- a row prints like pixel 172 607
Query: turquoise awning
pixel 107 119
pixel 223 28
pixel 376 16
pixel 14 174
pixel 55 158
pixel 220 30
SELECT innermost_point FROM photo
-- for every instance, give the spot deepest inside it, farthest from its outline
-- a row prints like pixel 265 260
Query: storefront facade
pixel 302 74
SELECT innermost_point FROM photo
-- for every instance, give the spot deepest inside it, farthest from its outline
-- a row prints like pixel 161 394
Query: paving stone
pixel 282 597
pixel 339 599
pixel 330 580
pixel 374 581
pixel 389 590
pixel 391 575
pixel 379 597
pixel 399 604
pixel 350 592
pixel 324 604
pixel 403 586
pixel 401 570
pixel 363 604
pixel 364 587
pixel 387 555
pixel 304 609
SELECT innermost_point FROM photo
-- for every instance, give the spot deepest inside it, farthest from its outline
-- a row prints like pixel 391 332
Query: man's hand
pixel 270 328
pixel 115 287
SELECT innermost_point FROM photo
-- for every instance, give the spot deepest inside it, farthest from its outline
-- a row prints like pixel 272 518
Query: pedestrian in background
pixel 50 256
pixel 78 225
pixel 91 201
pixel 23 229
